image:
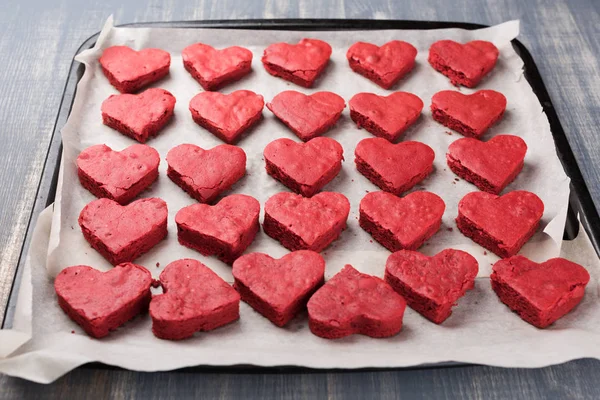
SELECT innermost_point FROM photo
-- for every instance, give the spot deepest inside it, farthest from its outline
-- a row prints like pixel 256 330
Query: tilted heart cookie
pixel 501 224
pixel 539 293
pixel 307 116
pixel 470 115
pixel 100 302
pixel 123 233
pixel 204 174
pixel 395 168
pixel 194 299
pixel 278 288
pixel 214 68
pixel 117 175
pixel 225 229
pixel 227 116
pixel 465 64
pixel 301 223
pixel 139 116
pixel 352 302
pixel 304 167
pixel 490 165
pixel 401 223
pixel 299 63
pixel 431 285
pixel 383 65
pixel 129 70
pixel 385 116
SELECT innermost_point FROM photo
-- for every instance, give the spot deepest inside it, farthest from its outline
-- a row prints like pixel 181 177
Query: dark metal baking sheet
pixel 580 202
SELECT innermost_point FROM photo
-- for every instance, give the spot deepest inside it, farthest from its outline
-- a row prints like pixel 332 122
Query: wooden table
pixel 38 39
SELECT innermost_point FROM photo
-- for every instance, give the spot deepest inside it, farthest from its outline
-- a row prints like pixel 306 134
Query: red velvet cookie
pixel 225 229
pixel 204 174
pixel 470 115
pixel 401 223
pixel 395 168
pixel 501 224
pixel 123 233
pixel 278 288
pixel 214 68
pixel 129 70
pixel 304 167
pixel 194 299
pixel 465 64
pixel 431 285
pixel 117 175
pixel 308 116
pixel 306 223
pixel 385 116
pixel 384 65
pixel 227 116
pixel 139 116
pixel 299 63
pixel 352 302
pixel 101 302
pixel 539 293
pixel 490 165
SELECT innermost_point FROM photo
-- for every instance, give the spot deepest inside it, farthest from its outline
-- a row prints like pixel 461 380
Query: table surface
pixel 38 39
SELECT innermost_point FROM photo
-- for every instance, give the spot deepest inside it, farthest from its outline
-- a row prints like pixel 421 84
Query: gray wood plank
pixel 38 39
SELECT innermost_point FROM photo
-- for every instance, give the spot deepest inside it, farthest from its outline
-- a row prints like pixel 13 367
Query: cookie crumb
pixel 155 283
pixel 449 133
pixel 485 253
pixel 456 179
pixel 449 229
pixel 72 331
pixel 157 265
pixel 371 241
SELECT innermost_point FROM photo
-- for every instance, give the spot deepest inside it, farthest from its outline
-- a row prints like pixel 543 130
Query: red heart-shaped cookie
pixel 539 293
pixel 225 229
pixel 306 223
pixel 401 223
pixel 123 233
pixel 465 64
pixel 227 116
pixel 194 299
pixel 278 288
pixel 299 63
pixel 490 165
pixel 431 285
pixel 287 162
pixel 395 168
pixel 468 114
pixel 385 116
pixel 501 224
pixel 139 116
pixel 117 175
pixel 129 70
pixel 307 116
pixel 383 65
pixel 204 174
pixel 352 302
pixel 100 302
pixel 213 68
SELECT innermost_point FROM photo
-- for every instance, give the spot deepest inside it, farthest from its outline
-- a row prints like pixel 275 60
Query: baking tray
pixel 580 201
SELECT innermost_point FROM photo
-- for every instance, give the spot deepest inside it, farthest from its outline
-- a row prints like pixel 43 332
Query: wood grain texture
pixel 38 39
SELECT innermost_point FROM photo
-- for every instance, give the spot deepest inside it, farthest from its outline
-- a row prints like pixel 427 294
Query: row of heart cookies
pixel 502 224
pixel 196 299
pixel 143 115
pixel 465 64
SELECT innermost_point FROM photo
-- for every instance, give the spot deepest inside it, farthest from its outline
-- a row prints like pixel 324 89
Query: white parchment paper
pixel 481 329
